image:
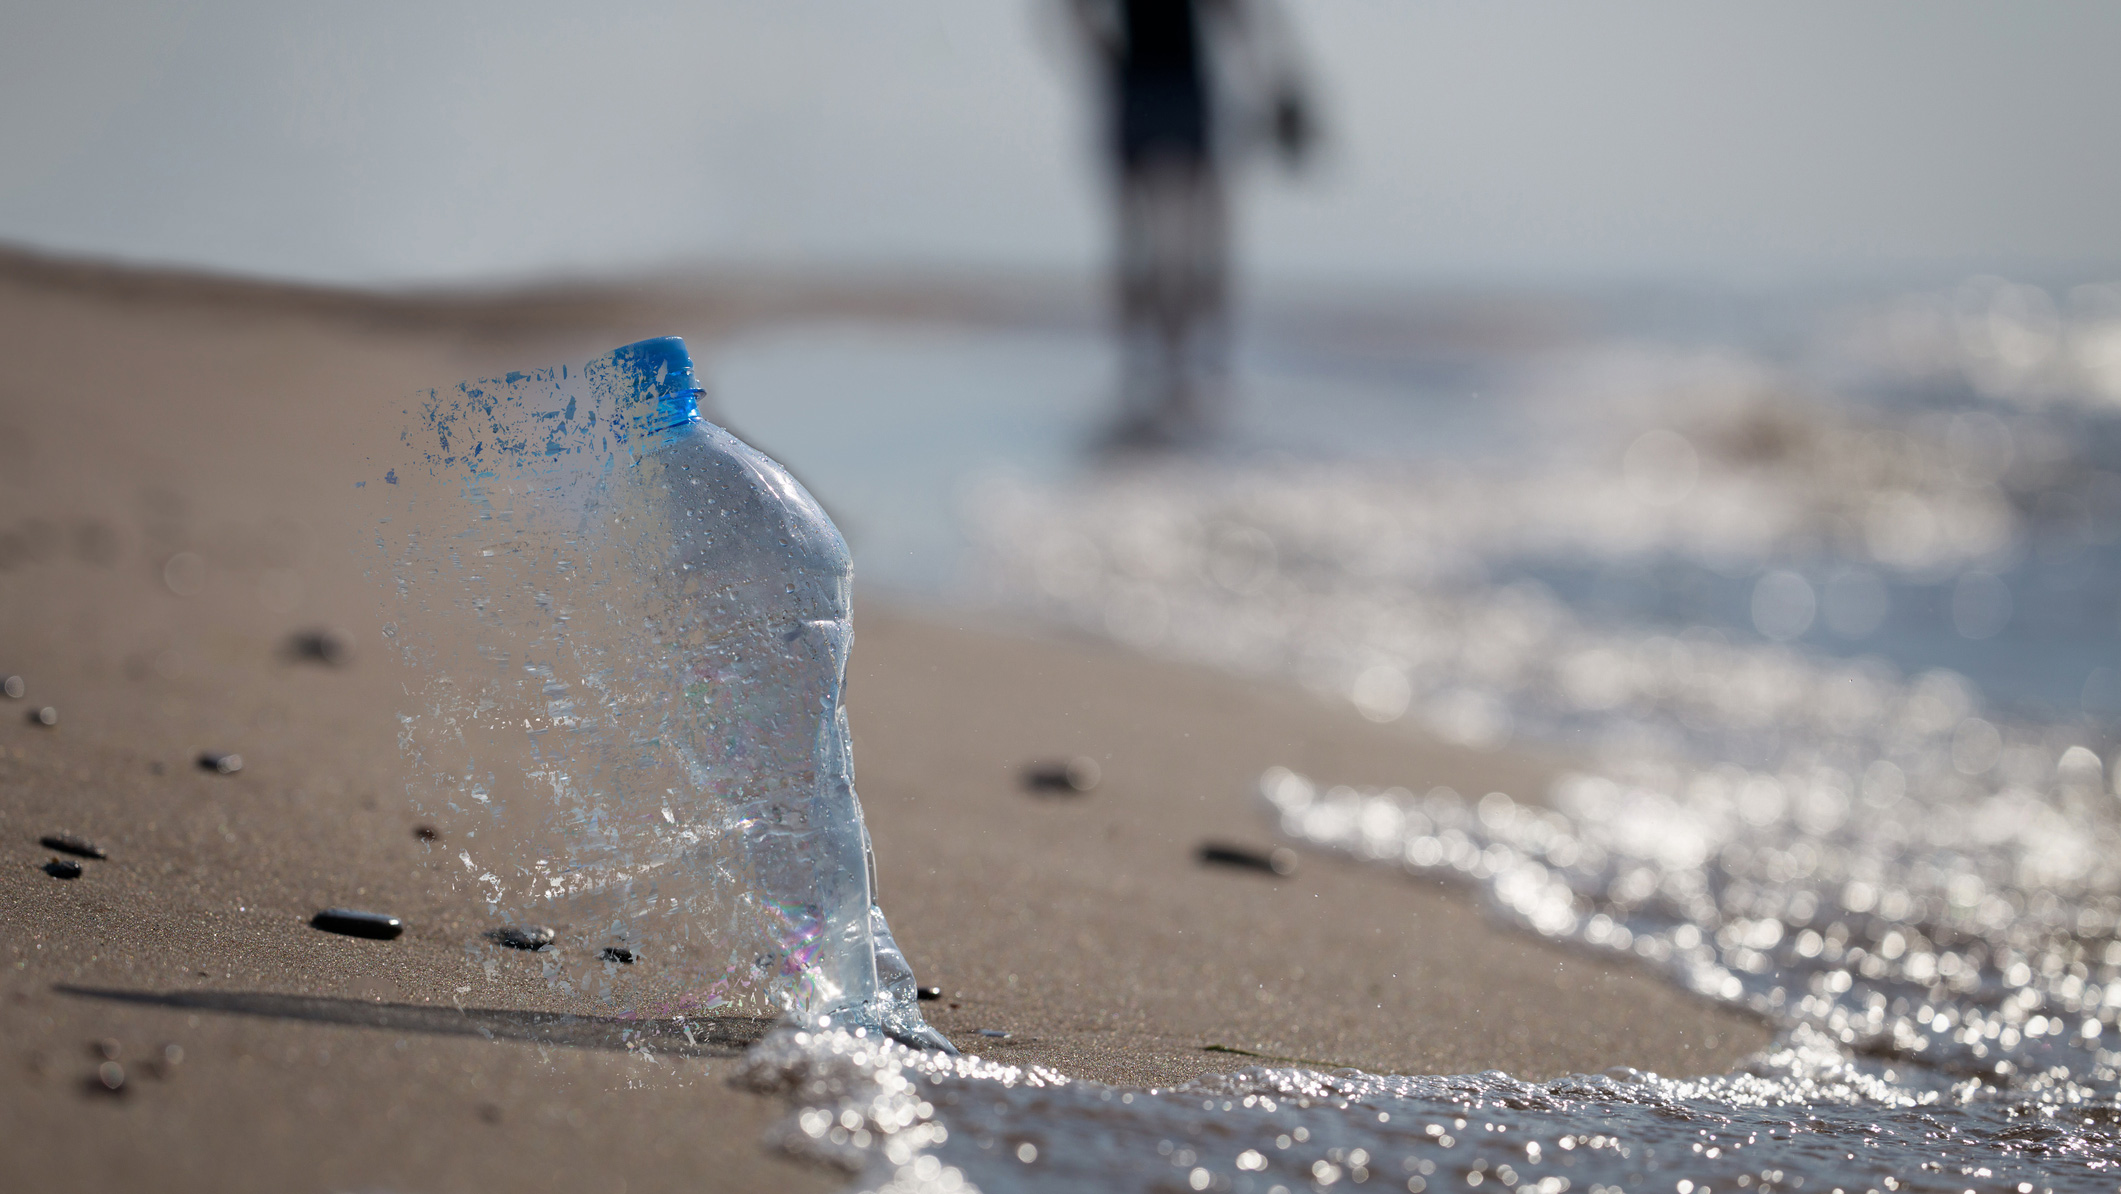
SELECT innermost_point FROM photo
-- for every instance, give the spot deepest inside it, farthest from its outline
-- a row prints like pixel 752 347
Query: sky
pixel 391 143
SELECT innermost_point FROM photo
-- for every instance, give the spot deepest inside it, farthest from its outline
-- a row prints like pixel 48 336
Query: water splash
pixel 1933 940
pixel 1803 1116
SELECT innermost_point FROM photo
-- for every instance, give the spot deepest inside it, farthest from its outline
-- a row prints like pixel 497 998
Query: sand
pixel 175 455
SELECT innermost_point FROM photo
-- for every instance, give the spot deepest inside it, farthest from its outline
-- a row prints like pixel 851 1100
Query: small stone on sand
pixel 67 843
pixel 14 687
pixel 619 954
pixel 1279 861
pixel 530 937
pixel 47 716
pixel 225 764
pixel 353 923
pixel 63 868
pixel 1065 777
pixel 930 994
pixel 110 1078
pixel 332 646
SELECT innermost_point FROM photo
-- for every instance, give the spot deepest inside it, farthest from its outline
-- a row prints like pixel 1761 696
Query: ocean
pixel 1820 590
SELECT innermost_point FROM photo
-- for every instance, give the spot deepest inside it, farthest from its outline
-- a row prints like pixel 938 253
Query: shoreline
pixel 147 422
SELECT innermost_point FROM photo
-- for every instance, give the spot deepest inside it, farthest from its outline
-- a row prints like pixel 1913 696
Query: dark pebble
pixel 619 954
pixel 67 843
pixel 426 833
pixel 1065 777
pixel 46 716
pixel 530 937
pixel 930 994
pixel 226 764
pixel 63 868
pixel 353 923
pixel 334 646
pixel 1278 861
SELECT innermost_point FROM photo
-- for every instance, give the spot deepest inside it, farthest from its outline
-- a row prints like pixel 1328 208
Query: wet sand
pixel 175 456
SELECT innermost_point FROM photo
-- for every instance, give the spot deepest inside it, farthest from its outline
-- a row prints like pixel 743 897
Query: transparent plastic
pixel 633 630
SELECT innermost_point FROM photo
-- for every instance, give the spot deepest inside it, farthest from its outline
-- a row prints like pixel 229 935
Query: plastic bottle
pixel 725 590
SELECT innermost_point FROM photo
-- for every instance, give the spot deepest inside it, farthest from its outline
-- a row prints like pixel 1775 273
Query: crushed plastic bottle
pixel 666 612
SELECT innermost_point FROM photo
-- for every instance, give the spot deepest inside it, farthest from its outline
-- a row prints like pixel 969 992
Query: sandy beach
pixel 175 455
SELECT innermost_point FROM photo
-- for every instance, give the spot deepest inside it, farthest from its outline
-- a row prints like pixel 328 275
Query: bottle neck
pixel 652 384
pixel 657 414
pixel 641 443
pixel 654 392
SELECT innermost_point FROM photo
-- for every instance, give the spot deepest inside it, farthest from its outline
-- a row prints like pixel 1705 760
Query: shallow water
pixel 1829 624
pixel 1800 1117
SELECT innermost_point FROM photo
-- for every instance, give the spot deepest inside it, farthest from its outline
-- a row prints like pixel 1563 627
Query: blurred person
pixel 1172 72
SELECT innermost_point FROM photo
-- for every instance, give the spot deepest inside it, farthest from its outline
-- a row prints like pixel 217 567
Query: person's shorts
pixel 1162 119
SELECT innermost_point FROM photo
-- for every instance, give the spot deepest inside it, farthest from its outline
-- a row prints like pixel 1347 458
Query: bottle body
pixel 763 626
pixel 666 615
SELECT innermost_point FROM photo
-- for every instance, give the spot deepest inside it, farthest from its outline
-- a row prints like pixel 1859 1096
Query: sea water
pixel 1832 635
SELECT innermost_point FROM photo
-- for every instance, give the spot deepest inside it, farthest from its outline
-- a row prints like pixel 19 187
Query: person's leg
pixel 1146 300
pixel 1199 298
pixel 1135 301
pixel 1158 279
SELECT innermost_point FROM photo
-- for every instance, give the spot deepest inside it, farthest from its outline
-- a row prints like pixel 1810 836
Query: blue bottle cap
pixel 654 386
